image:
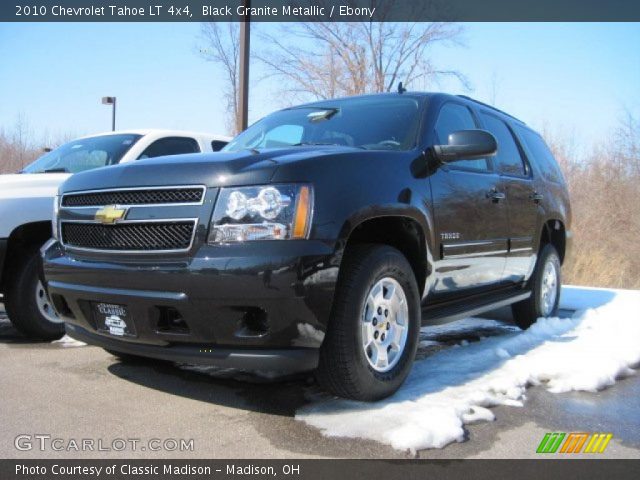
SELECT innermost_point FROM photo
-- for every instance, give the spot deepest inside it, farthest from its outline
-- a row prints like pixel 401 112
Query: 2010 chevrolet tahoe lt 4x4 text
pixel 320 238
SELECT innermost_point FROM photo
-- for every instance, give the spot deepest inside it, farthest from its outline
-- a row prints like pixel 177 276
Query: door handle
pixel 536 197
pixel 495 195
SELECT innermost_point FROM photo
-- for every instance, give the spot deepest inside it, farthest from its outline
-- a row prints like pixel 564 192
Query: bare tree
pixel 627 142
pixel 223 47
pixel 494 87
pixel 604 185
pixel 21 136
pixel 19 145
pixel 325 60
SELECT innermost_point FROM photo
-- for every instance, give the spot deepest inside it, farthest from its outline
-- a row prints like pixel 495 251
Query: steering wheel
pixel 391 143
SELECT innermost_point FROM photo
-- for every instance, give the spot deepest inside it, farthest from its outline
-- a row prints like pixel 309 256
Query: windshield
pixel 372 123
pixel 84 154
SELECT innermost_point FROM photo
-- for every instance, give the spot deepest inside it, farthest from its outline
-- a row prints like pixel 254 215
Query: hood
pixel 25 185
pixel 213 170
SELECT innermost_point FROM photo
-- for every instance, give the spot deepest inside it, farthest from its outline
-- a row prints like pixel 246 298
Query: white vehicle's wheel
pixel 28 304
pixel 45 306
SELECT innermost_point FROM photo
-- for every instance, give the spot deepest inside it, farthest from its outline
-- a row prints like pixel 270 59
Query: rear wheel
pixel 372 336
pixel 27 302
pixel 545 290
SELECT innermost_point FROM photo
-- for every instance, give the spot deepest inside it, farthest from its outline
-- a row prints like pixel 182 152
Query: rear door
pixel 470 215
pixel 517 184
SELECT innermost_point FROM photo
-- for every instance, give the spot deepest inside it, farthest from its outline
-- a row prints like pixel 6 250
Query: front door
pixel 470 215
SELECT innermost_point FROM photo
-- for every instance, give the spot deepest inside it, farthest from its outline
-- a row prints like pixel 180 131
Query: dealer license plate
pixel 113 319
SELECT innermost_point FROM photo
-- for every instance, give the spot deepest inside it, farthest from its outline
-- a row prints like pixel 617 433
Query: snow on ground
pixel 67 341
pixel 456 386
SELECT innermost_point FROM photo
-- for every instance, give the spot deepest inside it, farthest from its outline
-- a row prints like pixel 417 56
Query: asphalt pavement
pixel 76 393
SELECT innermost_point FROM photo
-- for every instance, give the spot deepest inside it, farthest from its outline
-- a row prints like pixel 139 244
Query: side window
pixel 508 156
pixel 539 152
pixel 454 117
pixel 170 146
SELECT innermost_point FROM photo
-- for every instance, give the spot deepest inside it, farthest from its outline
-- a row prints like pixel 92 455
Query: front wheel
pixel 373 333
pixel 27 302
pixel 545 290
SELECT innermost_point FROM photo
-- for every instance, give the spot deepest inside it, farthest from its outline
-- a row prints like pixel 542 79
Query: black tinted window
pixel 539 153
pixel 170 146
pixel 508 156
pixel 454 117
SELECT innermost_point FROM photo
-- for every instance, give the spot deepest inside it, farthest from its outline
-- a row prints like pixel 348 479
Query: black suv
pixel 321 238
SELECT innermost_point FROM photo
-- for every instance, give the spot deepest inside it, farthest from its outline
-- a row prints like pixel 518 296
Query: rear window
pixel 538 152
pixel 170 146
pixel 217 145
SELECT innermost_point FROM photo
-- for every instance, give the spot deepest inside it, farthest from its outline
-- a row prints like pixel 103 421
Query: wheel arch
pixel 406 230
pixel 554 233
pixel 22 238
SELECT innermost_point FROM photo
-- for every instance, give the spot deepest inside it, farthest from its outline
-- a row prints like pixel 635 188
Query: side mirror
pixel 467 145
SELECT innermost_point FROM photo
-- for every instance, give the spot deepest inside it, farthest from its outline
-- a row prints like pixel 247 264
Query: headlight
pixel 54 219
pixel 273 212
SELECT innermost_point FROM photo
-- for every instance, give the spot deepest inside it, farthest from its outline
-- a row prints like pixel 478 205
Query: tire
pixel 349 369
pixel 27 303
pixel 545 286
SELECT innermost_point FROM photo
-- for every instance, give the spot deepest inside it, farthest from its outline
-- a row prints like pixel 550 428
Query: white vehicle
pixel 26 201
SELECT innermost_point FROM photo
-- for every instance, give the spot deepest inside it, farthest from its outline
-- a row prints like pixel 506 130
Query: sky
pixel 574 79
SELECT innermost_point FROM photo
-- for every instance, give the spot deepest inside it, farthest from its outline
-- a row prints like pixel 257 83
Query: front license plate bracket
pixel 113 319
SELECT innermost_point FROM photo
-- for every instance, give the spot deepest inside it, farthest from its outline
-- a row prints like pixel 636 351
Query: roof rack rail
pixel 491 107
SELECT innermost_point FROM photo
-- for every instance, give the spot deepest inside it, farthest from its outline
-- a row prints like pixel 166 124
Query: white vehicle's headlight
pixel 54 219
pixel 270 212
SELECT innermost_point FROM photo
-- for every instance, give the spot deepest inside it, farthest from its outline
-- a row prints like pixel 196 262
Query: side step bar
pixel 439 314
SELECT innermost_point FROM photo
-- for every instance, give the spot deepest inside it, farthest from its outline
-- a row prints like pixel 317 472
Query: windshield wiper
pixel 55 170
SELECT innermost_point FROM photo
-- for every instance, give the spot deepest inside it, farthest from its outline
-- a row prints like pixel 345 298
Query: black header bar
pixel 123 469
pixel 320 10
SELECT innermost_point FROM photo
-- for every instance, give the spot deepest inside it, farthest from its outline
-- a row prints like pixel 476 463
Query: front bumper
pixel 261 306
pixel 259 360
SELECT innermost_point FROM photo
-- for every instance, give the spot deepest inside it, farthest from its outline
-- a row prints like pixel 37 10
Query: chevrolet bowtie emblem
pixel 110 214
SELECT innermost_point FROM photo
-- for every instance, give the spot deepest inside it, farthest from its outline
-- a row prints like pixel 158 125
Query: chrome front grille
pixel 131 220
pixel 136 196
pixel 151 236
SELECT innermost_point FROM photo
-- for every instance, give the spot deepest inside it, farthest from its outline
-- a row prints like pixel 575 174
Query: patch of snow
pixel 502 353
pixel 456 386
pixel 67 341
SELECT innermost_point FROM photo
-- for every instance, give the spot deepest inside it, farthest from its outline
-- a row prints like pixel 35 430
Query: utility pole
pixel 243 91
